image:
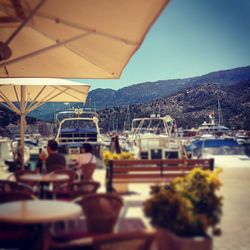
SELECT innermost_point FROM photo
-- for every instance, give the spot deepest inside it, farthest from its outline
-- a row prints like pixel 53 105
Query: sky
pixel 190 38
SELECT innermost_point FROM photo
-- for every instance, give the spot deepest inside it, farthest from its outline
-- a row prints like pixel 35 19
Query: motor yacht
pixel 152 138
pixel 227 152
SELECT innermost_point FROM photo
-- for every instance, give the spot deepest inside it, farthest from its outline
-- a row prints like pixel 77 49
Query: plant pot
pixel 167 240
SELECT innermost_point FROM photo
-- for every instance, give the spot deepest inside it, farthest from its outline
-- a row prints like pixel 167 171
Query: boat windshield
pixel 154 126
pixel 77 124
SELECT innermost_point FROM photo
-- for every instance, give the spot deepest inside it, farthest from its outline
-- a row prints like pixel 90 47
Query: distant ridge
pixel 149 91
pixel 189 107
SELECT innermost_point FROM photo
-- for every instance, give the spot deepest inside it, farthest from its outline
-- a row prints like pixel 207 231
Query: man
pixel 54 160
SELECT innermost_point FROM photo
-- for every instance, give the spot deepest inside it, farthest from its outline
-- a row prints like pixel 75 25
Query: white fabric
pixel 85 158
pixel 74 39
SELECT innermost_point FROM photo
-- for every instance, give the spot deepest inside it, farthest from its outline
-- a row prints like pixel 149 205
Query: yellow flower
pixel 116 157
pixel 107 155
pixel 187 206
pixel 125 155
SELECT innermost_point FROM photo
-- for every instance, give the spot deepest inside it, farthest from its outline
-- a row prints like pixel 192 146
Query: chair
pixel 19 173
pixel 72 174
pixel 15 196
pixel 55 167
pixel 15 236
pixel 132 241
pixel 9 186
pixel 101 210
pixel 75 189
pixel 88 170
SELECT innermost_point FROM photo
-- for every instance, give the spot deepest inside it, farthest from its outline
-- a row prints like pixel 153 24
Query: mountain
pixel 189 107
pixel 187 100
pixel 7 117
pixel 148 91
pixel 145 92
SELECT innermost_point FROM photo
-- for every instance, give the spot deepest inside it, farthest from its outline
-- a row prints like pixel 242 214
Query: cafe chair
pixel 70 173
pixel 125 241
pixel 11 235
pixel 101 214
pixel 75 228
pixel 19 173
pixel 9 186
pixel 55 167
pixel 17 177
pixel 87 171
pixel 101 211
pixel 15 196
pixel 131 241
pixel 75 189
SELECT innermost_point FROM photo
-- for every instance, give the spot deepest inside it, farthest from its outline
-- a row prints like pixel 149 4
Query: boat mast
pixel 220 119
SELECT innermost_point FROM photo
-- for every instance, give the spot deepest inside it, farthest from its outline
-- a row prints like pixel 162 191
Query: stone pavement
pixel 235 222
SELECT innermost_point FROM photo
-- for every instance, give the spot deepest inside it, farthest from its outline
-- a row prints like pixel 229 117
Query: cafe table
pixel 39 213
pixel 44 180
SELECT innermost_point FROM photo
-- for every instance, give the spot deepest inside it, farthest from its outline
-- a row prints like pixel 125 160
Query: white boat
pixel 212 127
pixel 227 153
pixel 75 127
pixel 151 138
pixel 154 125
pixel 29 148
pixel 5 149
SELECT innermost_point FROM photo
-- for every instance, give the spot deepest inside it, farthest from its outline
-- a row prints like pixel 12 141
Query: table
pixel 38 212
pixel 44 180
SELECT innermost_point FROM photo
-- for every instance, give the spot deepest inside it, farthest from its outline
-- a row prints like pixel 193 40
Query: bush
pixel 187 206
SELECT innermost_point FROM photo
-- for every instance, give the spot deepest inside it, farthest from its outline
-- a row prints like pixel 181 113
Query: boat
pixel 212 127
pixel 5 150
pixel 153 125
pixel 75 127
pixel 151 138
pixel 226 152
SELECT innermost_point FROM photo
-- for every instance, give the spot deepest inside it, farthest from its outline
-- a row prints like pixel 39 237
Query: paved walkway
pixel 235 222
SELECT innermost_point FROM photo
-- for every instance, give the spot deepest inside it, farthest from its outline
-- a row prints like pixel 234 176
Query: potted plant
pixel 185 209
pixel 108 155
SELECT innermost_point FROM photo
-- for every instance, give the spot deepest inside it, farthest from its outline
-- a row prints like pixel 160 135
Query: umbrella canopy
pixel 24 95
pixel 37 91
pixel 89 38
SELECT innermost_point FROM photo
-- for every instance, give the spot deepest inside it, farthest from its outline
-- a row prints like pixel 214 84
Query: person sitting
pixel 86 155
pixel 54 160
pixel 85 158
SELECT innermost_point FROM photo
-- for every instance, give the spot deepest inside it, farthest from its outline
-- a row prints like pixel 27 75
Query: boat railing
pixel 76 113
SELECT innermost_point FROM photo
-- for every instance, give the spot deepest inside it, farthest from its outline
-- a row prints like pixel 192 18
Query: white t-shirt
pixel 86 158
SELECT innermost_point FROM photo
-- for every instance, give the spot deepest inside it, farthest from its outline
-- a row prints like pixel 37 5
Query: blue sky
pixel 190 38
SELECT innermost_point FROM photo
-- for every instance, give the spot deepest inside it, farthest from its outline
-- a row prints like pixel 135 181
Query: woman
pixel 86 155
pixel 86 162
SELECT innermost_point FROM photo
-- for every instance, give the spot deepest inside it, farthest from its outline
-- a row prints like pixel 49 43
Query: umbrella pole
pixel 22 123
